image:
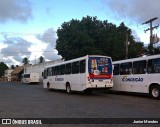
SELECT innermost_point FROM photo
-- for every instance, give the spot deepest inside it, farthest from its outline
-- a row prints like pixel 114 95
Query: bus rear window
pixel 26 76
pixel 99 66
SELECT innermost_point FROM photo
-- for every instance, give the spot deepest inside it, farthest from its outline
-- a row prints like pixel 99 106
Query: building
pixel 16 73
pixel 39 68
pixel 7 75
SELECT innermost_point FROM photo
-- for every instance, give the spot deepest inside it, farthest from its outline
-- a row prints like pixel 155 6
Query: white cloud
pixel 50 53
pixel 15 10
pixel 49 37
pixel 137 10
pixel 11 61
pixel 2 45
pixel 133 13
pixel 15 49
pixel 37 46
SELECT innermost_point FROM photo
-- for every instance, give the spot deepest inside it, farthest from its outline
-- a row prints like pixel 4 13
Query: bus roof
pixel 76 59
pixel 137 59
pixel 30 73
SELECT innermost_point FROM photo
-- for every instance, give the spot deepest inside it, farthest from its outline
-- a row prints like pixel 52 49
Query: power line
pixel 144 27
pixel 26 52
pixel 24 34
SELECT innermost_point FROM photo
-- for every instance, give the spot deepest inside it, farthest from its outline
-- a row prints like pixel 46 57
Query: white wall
pixel 38 68
pixel 7 74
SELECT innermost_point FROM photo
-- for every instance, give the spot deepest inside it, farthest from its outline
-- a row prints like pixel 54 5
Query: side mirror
pixel 112 67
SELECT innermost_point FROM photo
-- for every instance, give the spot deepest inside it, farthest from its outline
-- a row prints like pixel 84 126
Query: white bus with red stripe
pixel 91 72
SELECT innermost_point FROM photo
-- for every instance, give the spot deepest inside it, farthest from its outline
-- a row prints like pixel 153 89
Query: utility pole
pixel 35 60
pixel 151 29
pixel 126 45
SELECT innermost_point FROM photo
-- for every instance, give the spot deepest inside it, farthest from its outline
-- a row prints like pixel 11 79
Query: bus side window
pixel 53 72
pixel 47 72
pixel 56 70
pixel 139 67
pixel 44 74
pixel 62 69
pixel 50 71
pixel 82 66
pixel 126 68
pixel 149 66
pixel 68 68
pixel 116 69
pixel 75 67
pixel 153 66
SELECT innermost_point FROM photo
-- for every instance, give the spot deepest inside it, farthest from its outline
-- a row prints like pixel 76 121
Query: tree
pixel 25 61
pixel 3 67
pixel 41 59
pixel 152 50
pixel 12 67
pixel 78 38
pixel 157 50
pixel 91 36
pixel 136 49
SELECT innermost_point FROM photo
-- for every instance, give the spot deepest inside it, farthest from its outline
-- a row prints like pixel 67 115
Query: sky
pixel 28 27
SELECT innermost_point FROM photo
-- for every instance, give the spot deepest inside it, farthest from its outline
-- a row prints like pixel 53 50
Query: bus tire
pixel 48 86
pixel 68 89
pixel 155 92
pixel 88 92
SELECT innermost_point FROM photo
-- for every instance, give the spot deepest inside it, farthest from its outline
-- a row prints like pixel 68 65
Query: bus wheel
pixel 155 92
pixel 48 86
pixel 88 92
pixel 68 89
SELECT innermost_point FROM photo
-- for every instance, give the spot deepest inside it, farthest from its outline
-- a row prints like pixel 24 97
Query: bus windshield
pixel 100 67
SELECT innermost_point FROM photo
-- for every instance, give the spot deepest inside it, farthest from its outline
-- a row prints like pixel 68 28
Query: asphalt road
pixel 33 101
